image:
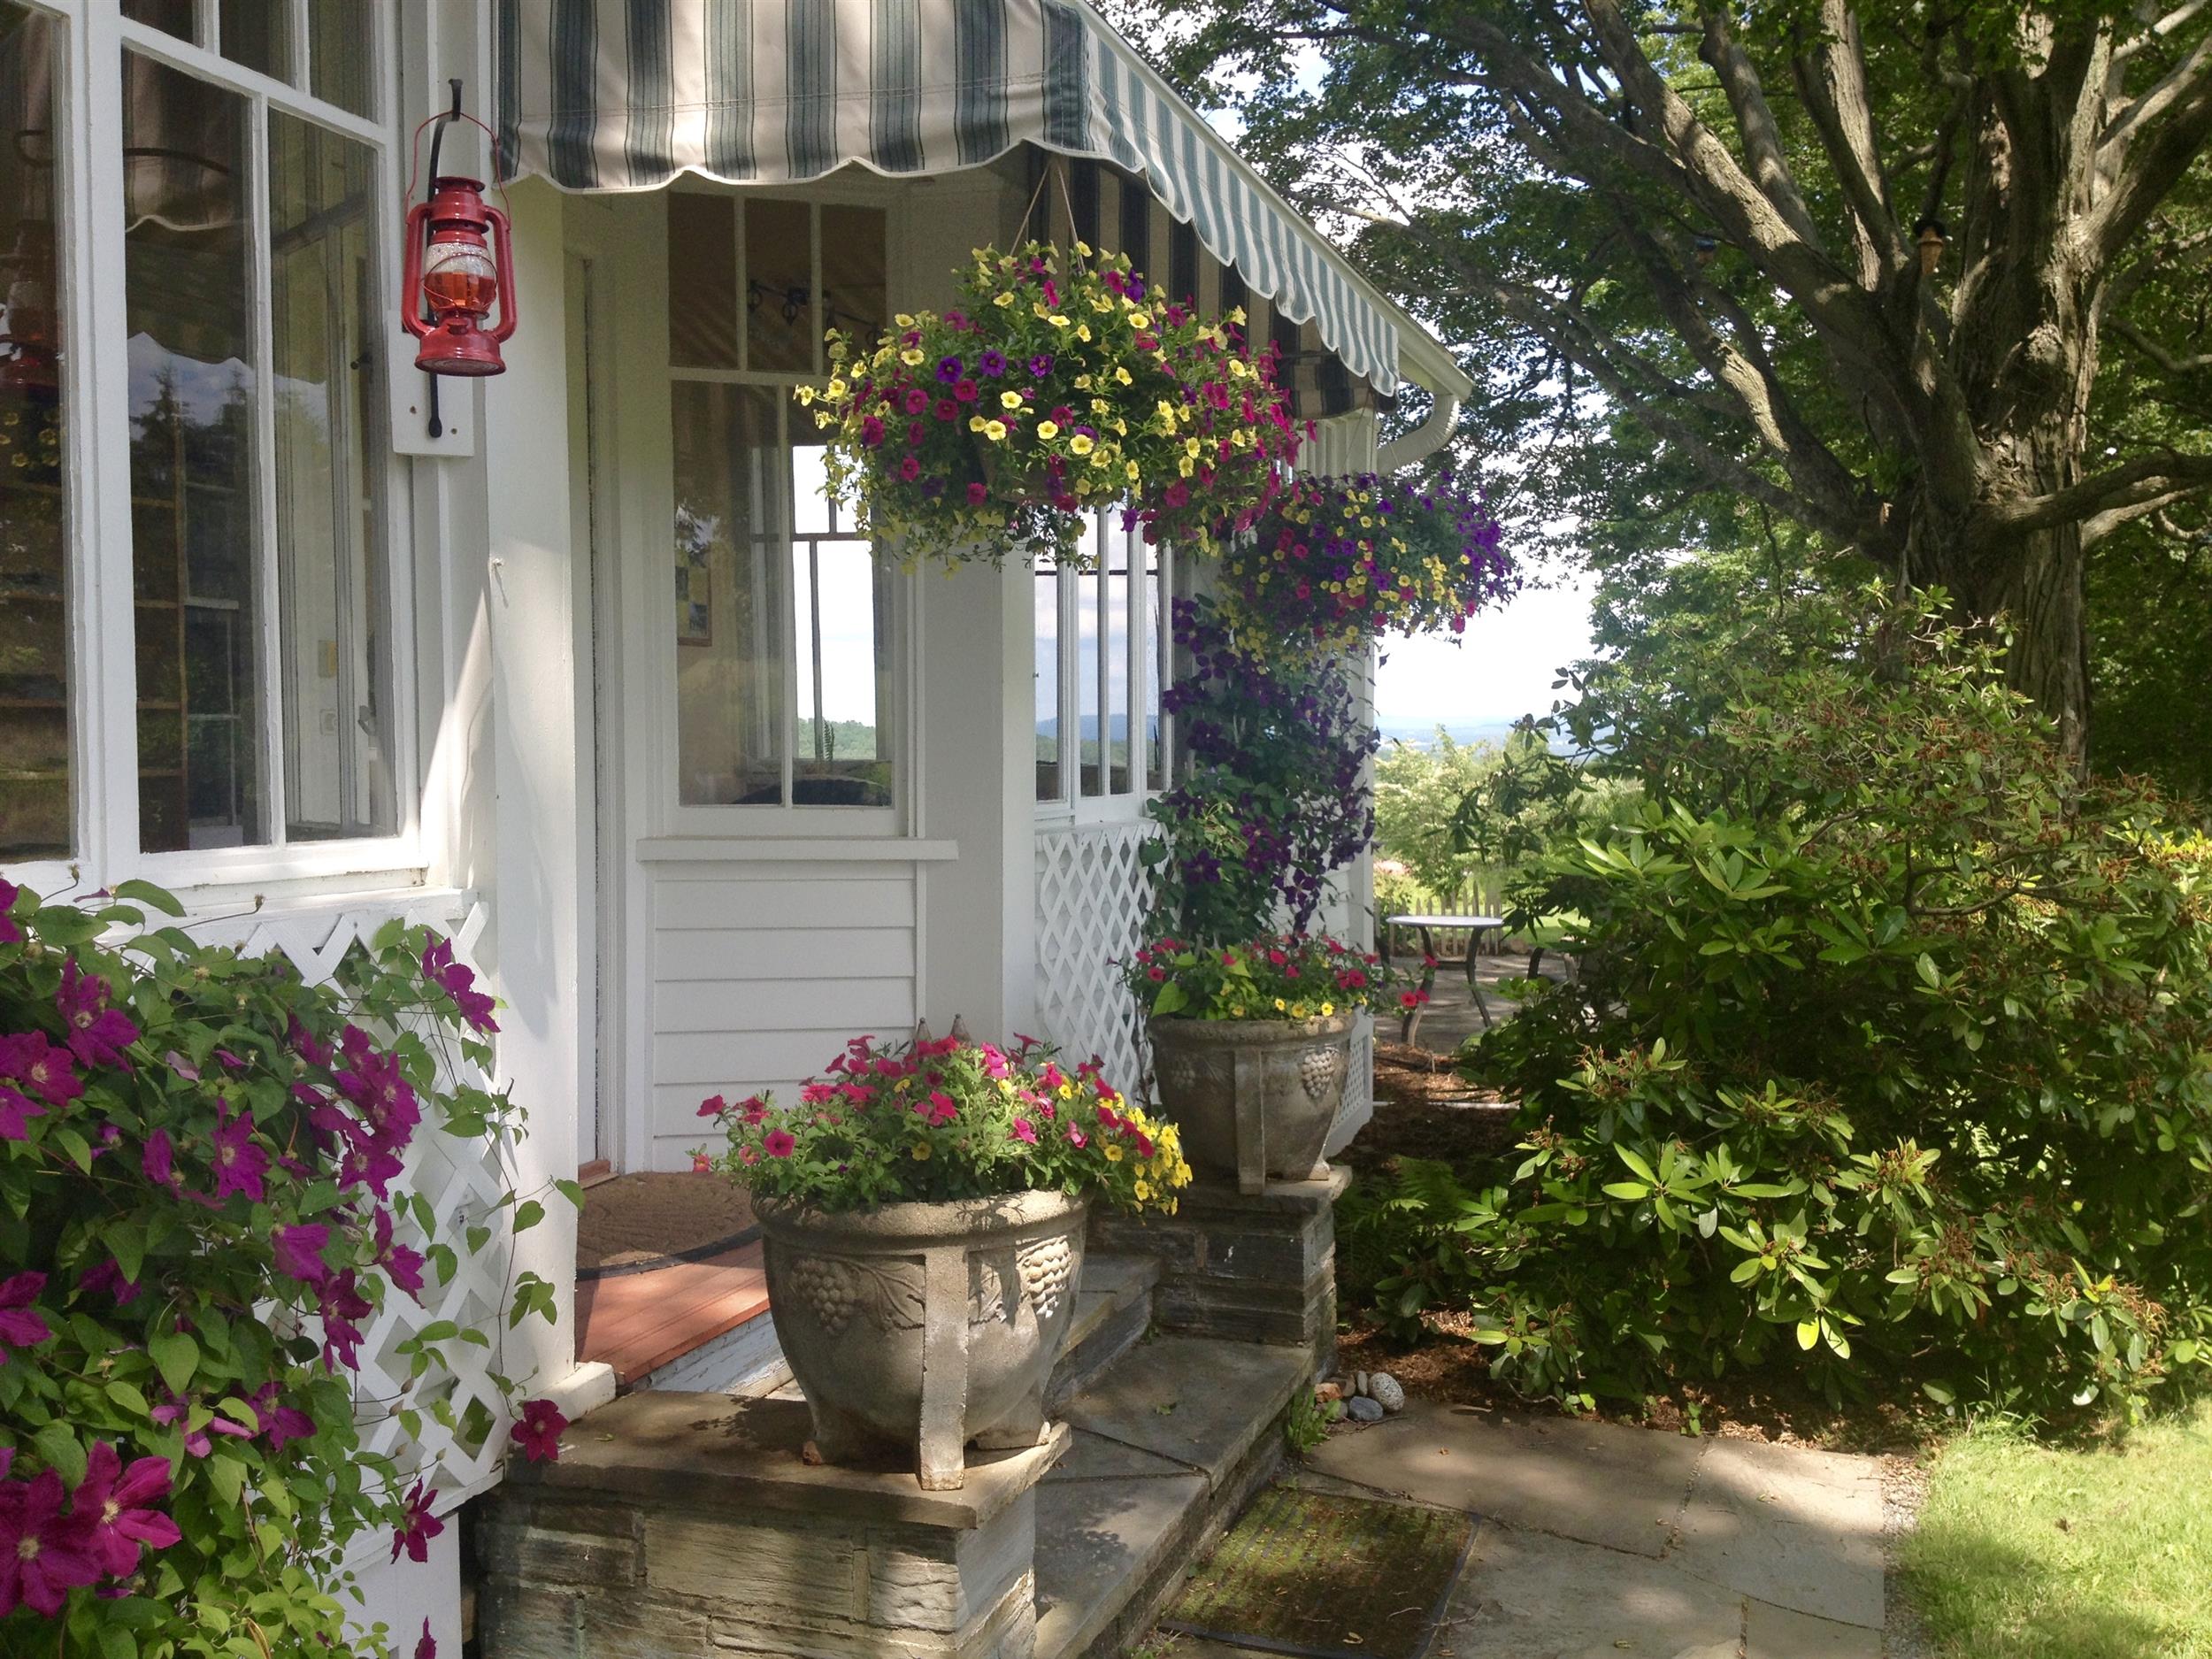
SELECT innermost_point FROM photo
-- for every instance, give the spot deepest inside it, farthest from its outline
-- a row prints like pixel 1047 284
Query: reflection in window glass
pixel 170 17
pixel 854 283
pixel 1118 713
pixel 780 329
pixel 732 565
pixel 340 54
pixel 1154 627
pixel 332 582
pixel 1088 591
pixel 842 636
pixel 257 34
pixel 189 288
pixel 702 280
pixel 35 792
pixel 1046 583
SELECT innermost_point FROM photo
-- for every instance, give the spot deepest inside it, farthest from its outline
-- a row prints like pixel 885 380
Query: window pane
pixel 702 280
pixel 187 285
pixel 1158 653
pixel 1087 584
pixel 332 580
pixel 34 794
pixel 1117 727
pixel 342 54
pixel 170 17
pixel 732 563
pixel 780 332
pixel 854 288
pixel 1047 676
pixel 841 631
pixel 258 34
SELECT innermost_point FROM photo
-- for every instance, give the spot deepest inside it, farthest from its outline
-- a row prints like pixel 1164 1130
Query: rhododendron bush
pixel 202 1209
pixel 946 1118
pixel 1065 386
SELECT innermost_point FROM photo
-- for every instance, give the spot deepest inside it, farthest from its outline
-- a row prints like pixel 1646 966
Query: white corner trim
pixel 586 1389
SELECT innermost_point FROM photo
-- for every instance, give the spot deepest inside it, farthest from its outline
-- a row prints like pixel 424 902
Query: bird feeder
pixel 1930 237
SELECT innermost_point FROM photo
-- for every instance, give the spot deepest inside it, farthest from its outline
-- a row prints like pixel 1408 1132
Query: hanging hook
pixel 437 138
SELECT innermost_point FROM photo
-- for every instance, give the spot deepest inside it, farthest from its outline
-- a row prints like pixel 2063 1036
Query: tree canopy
pixel 1899 283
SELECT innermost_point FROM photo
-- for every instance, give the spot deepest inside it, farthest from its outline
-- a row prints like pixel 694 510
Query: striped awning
pixel 624 94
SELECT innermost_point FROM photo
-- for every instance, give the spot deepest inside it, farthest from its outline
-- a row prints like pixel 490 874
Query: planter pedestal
pixel 1250 1267
pixel 690 1526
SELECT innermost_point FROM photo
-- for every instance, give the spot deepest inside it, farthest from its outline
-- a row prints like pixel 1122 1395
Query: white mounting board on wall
pixel 409 390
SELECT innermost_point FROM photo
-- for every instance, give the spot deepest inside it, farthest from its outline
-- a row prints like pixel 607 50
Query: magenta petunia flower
pixel 779 1143
pixel 9 934
pixel 97 1035
pixel 402 1264
pixel 713 1106
pixel 910 469
pixel 114 1504
pixel 43 1557
pixel 427 1646
pixel 239 1164
pixel 299 1251
pixel 413 1534
pixel 21 1325
pixel 538 1431
pixel 27 1059
pixel 17 1109
pixel 1025 1131
pixel 977 495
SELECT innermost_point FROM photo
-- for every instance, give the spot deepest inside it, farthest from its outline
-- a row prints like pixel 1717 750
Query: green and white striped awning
pixel 624 94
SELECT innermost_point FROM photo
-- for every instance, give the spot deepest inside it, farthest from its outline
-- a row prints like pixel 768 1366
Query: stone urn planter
pixel 1254 1098
pixel 924 1327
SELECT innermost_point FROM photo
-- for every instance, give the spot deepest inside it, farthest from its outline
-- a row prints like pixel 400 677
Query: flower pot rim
pixel 920 1219
pixel 1232 1033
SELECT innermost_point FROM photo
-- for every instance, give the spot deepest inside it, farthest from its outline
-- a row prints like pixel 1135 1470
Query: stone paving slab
pixel 1102 1531
pixel 1808 1540
pixel 1528 1596
pixel 1197 1402
pixel 1774 1632
pixel 1621 1488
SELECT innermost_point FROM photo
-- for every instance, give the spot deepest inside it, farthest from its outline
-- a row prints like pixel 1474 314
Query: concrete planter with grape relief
pixel 925 1328
pixel 1254 1098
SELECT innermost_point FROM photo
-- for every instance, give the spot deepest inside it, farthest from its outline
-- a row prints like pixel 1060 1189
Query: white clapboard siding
pixel 761 973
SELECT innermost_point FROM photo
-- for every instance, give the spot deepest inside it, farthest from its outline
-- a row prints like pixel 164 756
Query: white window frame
pixel 1145 640
pixel 896 726
pixel 102 677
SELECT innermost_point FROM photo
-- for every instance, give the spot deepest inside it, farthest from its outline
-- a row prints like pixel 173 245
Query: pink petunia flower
pixel 1025 1131
pixel 21 1325
pixel 43 1557
pixel 414 1532
pixel 239 1164
pixel 97 1035
pixel 538 1431
pixel 779 1143
pixel 114 1504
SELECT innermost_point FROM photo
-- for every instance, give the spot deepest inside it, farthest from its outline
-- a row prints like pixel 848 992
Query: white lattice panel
pixel 463 1183
pixel 1090 912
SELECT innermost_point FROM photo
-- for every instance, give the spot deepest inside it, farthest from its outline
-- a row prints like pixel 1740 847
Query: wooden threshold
pixel 639 1322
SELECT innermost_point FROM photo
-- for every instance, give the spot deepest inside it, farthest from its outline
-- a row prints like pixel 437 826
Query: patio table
pixel 1429 926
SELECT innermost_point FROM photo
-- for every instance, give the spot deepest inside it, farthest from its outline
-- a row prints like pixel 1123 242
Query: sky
pixel 1502 668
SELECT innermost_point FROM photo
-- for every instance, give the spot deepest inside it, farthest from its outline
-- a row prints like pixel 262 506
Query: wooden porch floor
pixel 639 1322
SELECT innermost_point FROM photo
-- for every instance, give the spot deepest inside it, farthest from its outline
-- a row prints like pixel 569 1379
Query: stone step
pixel 1113 1310
pixel 1169 1444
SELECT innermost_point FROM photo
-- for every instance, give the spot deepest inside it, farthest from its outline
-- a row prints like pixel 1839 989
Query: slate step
pixel 1169 1445
pixel 1113 1310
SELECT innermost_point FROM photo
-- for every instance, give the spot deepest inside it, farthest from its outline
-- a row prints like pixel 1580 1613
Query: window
pixel 261 571
pixel 1100 662
pixel 35 774
pixel 784 633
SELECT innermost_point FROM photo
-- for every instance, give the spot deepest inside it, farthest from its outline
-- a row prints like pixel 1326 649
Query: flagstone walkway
pixel 1597 1541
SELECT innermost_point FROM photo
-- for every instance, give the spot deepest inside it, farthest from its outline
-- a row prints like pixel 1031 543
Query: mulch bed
pixel 655 1219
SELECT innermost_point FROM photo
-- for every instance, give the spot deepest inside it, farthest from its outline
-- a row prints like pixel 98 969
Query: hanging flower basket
pixel 1342 561
pixel 1058 388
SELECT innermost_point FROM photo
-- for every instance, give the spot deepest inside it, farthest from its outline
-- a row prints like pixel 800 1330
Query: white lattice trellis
pixel 1090 911
pixel 463 1185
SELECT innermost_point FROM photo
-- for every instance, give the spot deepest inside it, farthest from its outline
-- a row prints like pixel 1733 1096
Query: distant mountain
pixel 1422 734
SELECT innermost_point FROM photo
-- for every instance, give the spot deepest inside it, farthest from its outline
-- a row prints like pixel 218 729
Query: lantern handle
pixel 437 136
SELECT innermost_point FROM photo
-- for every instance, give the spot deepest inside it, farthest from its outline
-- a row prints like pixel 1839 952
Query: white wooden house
pixel 594 677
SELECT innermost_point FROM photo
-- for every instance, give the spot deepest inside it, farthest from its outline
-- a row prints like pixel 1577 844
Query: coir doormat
pixel 1328 1576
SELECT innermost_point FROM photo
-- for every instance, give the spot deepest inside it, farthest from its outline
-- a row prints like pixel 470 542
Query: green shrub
pixel 1887 1057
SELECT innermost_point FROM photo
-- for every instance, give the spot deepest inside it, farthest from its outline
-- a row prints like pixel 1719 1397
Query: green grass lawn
pixel 2025 1552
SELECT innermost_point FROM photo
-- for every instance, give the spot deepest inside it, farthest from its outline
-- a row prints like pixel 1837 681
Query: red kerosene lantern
pixel 452 272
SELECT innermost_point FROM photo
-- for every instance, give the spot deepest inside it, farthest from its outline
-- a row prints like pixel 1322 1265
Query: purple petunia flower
pixel 1040 365
pixel 992 363
pixel 949 369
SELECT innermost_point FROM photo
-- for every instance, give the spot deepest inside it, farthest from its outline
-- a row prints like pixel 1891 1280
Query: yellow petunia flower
pixel 1121 375
pixel 1113 1153
pixel 909 356
pixel 1057 320
pixel 1051 429
pixel 1002 299
pixel 921 1152
pixel 994 430
pixel 1140 319
pixel 1009 400
pixel 1081 444
pixel 975 423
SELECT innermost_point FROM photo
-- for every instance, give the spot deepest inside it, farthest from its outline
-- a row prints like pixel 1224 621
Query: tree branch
pixel 1832 81
pixel 2162 96
pixel 2160 478
pixel 2160 159
pixel 2166 361
pixel 1739 83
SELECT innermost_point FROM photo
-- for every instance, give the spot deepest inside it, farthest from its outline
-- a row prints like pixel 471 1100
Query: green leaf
pixel 1928 971
pixel 177 1356
pixel 1747 1270
pixel 1630 1190
pixel 130 1398
pixel 146 893
pixel 573 1191
pixel 528 1213
pixel 1170 999
pixel 1634 1160
pixel 1808 1332
pixel 59 1447
pixel 127 1242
